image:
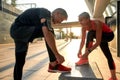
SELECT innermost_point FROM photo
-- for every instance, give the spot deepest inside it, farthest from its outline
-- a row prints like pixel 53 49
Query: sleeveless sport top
pixel 105 27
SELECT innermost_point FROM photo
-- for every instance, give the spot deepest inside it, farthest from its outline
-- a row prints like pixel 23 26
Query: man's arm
pixel 49 37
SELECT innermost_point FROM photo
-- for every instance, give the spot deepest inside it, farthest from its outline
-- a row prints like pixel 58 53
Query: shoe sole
pixel 81 64
pixel 51 71
pixel 57 71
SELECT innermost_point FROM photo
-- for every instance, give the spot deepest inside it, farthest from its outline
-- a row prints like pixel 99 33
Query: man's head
pixel 58 15
pixel 84 18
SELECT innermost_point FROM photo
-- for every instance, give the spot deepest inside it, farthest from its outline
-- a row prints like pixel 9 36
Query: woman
pixel 102 33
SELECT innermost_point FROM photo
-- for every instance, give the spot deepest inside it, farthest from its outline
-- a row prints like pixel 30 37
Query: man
pixel 102 33
pixel 31 24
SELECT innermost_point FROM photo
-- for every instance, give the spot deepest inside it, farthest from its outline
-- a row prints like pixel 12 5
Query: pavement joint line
pixel 37 67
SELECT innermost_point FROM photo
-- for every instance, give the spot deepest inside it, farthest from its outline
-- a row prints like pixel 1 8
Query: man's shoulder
pixel 40 12
pixel 36 10
pixel 42 8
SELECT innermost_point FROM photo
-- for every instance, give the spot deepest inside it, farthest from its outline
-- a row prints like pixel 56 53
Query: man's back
pixel 32 16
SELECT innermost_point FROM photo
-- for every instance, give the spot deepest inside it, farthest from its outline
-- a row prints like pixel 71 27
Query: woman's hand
pixel 79 54
pixel 85 55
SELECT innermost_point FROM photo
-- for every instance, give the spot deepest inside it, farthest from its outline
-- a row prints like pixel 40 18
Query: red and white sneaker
pixel 112 79
pixel 58 68
pixel 82 62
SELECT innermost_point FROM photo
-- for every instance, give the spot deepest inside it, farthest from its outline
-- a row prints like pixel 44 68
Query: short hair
pixel 84 14
pixel 61 11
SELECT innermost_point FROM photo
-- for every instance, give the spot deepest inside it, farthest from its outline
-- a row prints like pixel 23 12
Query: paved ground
pixel 37 60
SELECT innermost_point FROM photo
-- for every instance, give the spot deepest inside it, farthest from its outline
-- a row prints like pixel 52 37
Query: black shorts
pixel 36 34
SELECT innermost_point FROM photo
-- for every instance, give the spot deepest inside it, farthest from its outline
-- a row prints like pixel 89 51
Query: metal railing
pixel 7 8
pixel 15 11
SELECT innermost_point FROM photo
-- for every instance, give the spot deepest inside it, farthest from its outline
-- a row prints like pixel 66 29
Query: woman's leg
pixel 90 37
pixel 104 47
pixel 89 43
pixel 20 54
pixel 106 37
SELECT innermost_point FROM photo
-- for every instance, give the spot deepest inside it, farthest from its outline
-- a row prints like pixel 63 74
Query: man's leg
pixel 54 66
pixel 52 57
pixel 20 54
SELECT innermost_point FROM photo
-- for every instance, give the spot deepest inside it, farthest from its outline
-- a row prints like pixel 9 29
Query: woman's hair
pixel 61 11
pixel 85 15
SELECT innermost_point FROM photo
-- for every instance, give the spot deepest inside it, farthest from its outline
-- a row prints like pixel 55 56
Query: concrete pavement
pixel 37 60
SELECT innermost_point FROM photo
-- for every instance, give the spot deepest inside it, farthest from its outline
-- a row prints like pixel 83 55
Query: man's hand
pixel 79 54
pixel 60 59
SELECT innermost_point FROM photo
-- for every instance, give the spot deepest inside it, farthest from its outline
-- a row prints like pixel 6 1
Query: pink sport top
pixel 105 28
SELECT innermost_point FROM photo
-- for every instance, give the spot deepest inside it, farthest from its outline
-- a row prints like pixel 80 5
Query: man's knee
pixel 21 47
pixel 20 58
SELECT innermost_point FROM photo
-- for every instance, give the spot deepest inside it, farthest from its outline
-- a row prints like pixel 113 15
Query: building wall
pixel 113 43
pixel 5 23
pixel 91 6
pixel 7 15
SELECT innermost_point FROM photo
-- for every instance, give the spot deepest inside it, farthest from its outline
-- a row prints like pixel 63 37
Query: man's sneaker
pixel 81 62
pixel 58 68
pixel 112 79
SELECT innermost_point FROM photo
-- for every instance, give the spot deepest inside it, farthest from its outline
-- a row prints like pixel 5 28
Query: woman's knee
pixel 91 35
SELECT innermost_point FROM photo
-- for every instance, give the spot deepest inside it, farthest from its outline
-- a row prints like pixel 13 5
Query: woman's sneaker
pixel 82 62
pixel 58 68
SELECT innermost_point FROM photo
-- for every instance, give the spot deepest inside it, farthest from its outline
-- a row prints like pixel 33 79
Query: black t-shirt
pixel 29 23
pixel 32 16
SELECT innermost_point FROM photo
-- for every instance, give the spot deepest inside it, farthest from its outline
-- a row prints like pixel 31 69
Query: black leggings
pixel 106 37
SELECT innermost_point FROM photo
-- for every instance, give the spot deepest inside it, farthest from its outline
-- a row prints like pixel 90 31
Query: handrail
pixel 9 9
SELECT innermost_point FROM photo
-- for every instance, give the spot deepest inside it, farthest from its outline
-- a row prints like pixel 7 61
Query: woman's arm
pixel 98 35
pixel 83 39
pixel 98 39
